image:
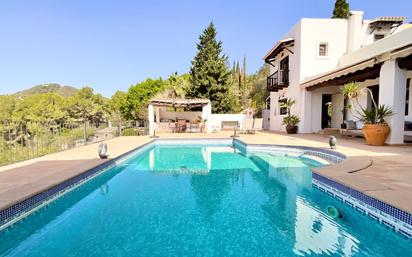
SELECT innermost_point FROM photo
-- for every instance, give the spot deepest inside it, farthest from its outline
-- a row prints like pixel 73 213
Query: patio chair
pixel 194 126
pixel 250 126
pixel 172 127
pixel 181 125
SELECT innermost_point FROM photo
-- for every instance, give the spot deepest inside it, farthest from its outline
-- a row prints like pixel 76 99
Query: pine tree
pixel 341 9
pixel 209 74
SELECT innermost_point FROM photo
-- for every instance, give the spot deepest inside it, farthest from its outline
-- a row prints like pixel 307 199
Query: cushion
pixel 359 124
pixel 350 124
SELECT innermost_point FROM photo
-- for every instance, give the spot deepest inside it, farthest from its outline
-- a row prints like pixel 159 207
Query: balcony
pixel 278 80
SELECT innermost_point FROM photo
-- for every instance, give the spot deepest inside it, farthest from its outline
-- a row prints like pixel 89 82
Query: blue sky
pixel 110 45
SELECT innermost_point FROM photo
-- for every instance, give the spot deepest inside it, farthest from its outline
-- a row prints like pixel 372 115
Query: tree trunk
pixel 84 133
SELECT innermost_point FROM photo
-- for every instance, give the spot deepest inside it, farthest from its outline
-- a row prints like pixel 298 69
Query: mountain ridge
pixel 60 89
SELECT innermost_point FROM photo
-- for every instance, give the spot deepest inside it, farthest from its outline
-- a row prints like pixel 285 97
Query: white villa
pixel 317 56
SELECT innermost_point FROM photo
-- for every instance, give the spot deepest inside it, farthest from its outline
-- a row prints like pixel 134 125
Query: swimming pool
pixel 203 199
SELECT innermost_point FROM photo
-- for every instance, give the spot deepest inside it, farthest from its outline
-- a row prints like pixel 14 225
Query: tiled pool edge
pixel 332 156
pixel 22 209
pixel 386 214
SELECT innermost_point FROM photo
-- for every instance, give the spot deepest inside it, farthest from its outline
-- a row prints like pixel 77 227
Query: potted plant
pixel 291 121
pixel 375 130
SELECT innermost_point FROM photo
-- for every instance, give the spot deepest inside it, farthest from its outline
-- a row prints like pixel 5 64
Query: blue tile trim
pixel 16 210
pixel 329 155
pixel 367 200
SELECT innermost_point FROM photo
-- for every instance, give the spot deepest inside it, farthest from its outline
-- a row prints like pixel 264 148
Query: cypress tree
pixel 341 9
pixel 234 71
pixel 209 74
pixel 238 75
pixel 244 70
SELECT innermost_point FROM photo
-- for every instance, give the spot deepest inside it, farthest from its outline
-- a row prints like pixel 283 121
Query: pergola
pixel 154 113
pixel 180 102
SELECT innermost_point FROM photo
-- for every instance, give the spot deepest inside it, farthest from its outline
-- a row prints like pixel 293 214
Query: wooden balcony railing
pixel 278 80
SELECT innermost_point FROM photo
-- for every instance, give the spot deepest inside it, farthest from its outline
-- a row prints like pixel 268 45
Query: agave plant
pixel 377 116
pixel 291 120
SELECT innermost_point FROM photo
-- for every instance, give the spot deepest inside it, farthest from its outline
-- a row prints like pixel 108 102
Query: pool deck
pixel 384 173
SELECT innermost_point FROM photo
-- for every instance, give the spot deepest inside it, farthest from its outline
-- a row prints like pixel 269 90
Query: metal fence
pixel 26 140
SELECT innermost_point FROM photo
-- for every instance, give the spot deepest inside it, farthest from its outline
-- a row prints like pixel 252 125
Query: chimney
pixel 355 30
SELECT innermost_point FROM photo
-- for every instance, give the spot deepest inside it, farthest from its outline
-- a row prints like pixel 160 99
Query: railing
pixel 278 80
pixel 25 140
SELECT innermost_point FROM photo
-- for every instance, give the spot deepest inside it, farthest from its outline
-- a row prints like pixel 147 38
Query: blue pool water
pixel 200 200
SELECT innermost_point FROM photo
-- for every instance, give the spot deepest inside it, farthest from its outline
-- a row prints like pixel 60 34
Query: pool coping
pixel 17 210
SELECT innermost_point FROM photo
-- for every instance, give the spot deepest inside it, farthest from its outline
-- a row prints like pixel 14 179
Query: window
pixel 283 110
pixel 284 70
pixel 323 49
pixel 377 37
pixel 408 88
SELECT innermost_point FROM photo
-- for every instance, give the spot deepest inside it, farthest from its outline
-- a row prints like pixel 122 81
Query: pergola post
pixel 392 92
pixel 206 113
pixel 150 118
pixel 157 111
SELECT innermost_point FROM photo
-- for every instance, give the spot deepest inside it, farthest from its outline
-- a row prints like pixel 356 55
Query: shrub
pixel 291 120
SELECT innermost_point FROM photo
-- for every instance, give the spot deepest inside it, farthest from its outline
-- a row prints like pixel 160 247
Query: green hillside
pixel 48 88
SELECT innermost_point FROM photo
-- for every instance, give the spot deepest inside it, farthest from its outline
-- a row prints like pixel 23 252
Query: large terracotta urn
pixel 376 134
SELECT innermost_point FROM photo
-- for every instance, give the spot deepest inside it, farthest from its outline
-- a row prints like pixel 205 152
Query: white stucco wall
pixel 215 121
pixel 397 40
pixel 315 31
pixel 293 91
pixel 305 63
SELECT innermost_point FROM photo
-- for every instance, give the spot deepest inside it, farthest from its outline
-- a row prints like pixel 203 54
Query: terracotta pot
pixel 291 129
pixel 376 134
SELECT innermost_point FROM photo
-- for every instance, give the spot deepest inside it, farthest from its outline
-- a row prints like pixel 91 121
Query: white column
pixel 392 92
pixel 337 107
pixel 206 115
pixel 305 112
pixel 157 114
pixel 316 112
pixel 273 111
pixel 150 114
